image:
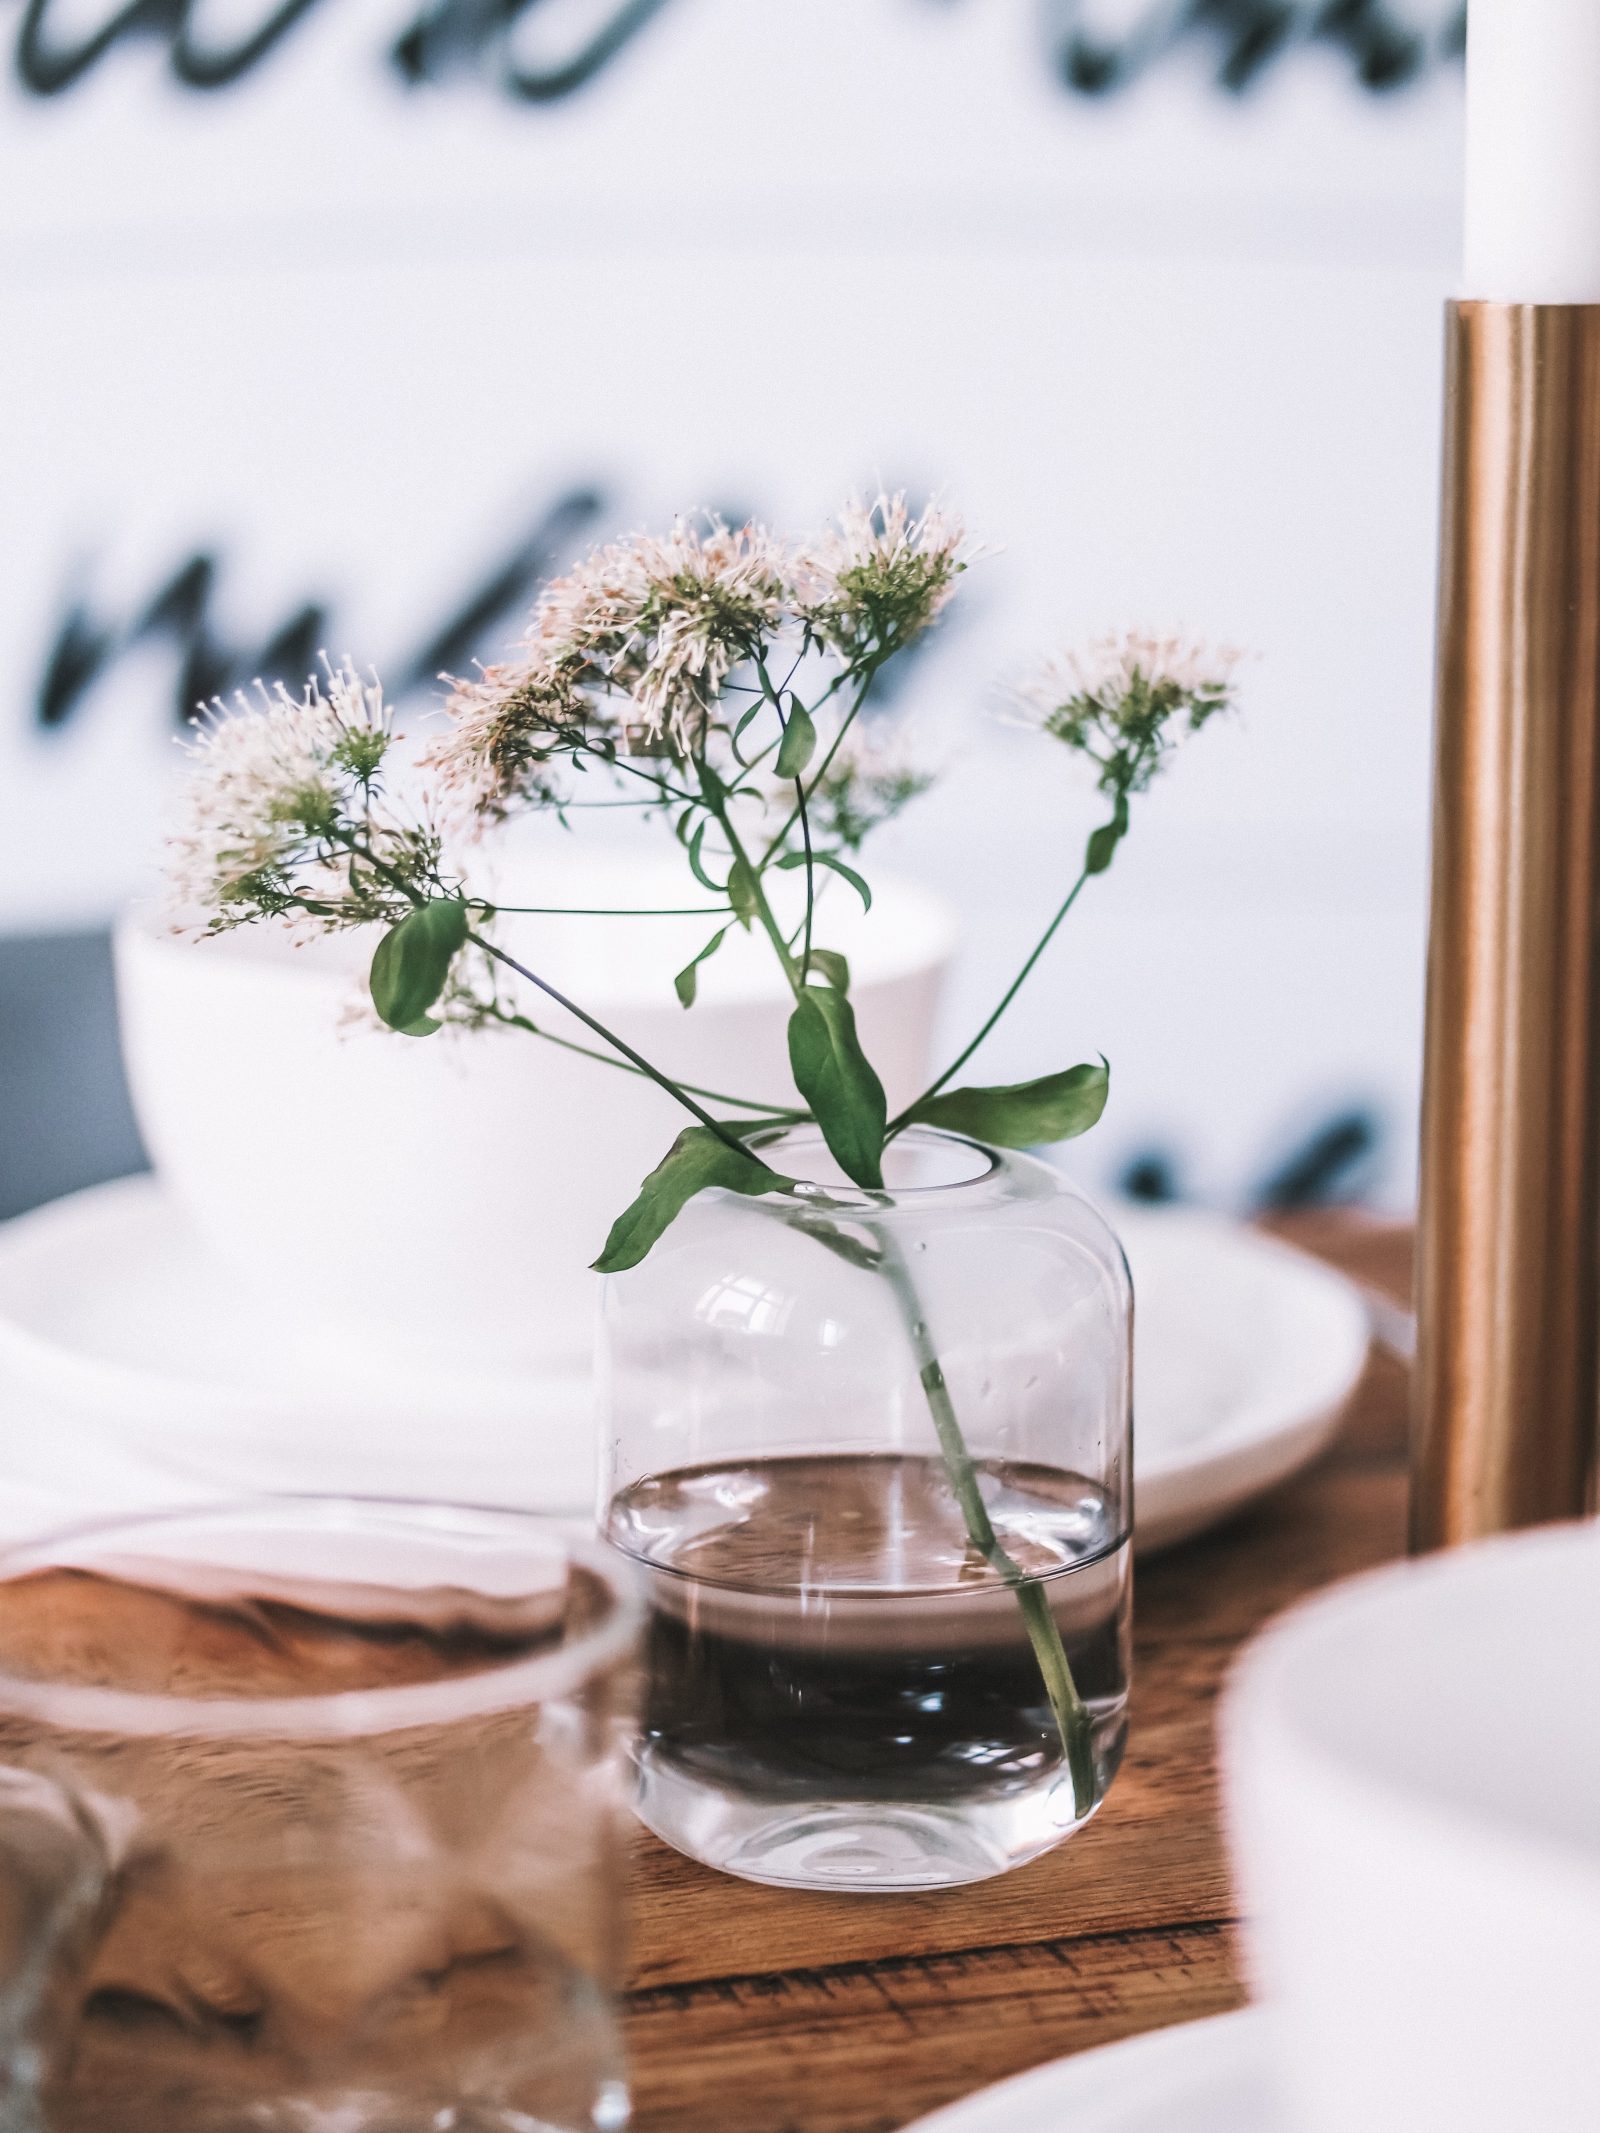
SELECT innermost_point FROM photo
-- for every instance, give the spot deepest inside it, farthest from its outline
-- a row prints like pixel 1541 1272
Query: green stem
pixel 779 1114
pixel 899 1123
pixel 600 910
pixel 776 844
pixel 811 879
pixel 1044 1634
pixel 663 786
pixel 805 827
pixel 769 925
pixel 618 1044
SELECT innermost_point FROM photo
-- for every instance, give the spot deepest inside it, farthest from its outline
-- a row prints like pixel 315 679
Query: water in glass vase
pixel 841 1689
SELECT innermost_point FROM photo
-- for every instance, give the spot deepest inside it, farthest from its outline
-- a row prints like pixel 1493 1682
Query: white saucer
pixel 1200 2077
pixel 1245 1353
pixel 112 1316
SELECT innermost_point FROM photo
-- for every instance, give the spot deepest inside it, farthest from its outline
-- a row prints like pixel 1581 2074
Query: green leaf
pixel 799 743
pixel 413 961
pixel 835 1077
pixel 831 967
pixel 738 733
pixel 697 865
pixel 742 891
pixel 688 977
pixel 1104 841
pixel 696 1160
pixel 791 860
pixel 1023 1114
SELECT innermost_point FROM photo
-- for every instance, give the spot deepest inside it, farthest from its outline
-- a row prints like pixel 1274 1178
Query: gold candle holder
pixel 1508 1287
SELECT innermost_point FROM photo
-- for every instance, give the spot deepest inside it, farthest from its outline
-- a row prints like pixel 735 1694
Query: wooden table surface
pixel 756 2010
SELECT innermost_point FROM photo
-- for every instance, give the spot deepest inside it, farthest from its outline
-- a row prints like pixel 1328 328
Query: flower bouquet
pixel 719 682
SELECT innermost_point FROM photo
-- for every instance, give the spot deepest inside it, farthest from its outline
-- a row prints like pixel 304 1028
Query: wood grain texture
pixel 764 2011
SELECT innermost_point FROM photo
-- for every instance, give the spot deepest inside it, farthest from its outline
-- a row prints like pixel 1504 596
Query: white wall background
pixel 1175 352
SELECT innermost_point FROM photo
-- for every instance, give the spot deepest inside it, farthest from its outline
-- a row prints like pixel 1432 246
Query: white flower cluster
pixel 1117 666
pixel 1126 703
pixel 637 642
pixel 268 777
pixel 879 573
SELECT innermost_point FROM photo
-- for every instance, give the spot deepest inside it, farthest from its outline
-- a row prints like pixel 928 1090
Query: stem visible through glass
pixel 1044 1634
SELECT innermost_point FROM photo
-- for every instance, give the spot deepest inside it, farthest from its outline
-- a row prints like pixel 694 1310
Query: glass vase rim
pixel 333 1715
pixel 993 1163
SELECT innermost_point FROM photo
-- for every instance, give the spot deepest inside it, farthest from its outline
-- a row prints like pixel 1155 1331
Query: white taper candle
pixel 1533 151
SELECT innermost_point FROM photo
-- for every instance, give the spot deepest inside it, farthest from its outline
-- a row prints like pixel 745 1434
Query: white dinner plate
pixel 112 1316
pixel 1200 2077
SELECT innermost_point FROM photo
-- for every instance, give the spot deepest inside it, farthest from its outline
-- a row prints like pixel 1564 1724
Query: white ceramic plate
pixel 112 1315
pixel 1201 2077
pixel 1245 1353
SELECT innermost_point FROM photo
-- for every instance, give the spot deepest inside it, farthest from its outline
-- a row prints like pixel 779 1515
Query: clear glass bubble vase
pixel 872 1451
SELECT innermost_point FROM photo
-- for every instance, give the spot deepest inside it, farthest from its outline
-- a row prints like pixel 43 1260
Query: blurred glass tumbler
pixel 803 1400
pixel 332 1794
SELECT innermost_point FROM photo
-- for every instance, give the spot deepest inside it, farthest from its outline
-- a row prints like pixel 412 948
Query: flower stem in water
pixel 1044 1634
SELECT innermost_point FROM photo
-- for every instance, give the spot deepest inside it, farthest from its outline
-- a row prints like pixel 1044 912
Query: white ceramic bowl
pixel 453 1190
pixel 1413 1767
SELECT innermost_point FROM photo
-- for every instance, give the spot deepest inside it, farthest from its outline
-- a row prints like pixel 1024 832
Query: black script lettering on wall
pixel 47 63
pixel 1243 40
pixel 538 51
pixel 545 51
pixel 85 644
pixel 481 37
